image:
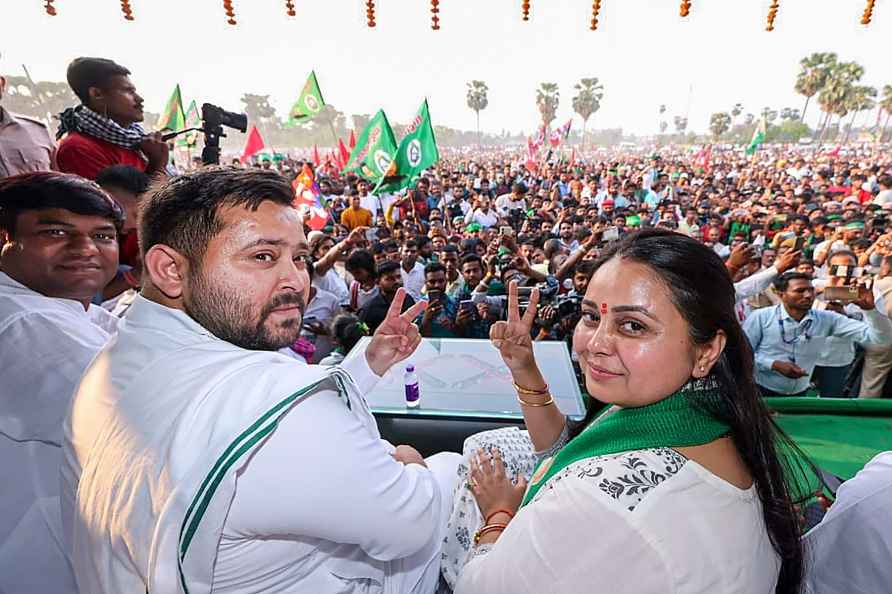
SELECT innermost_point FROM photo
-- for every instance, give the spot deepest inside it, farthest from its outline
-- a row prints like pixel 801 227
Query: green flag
pixel 309 104
pixel 758 137
pixel 193 120
pixel 374 150
pixel 173 118
pixel 417 152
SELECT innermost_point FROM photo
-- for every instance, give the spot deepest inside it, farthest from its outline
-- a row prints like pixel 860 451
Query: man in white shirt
pixel 58 248
pixel 370 202
pixel 514 200
pixel 482 214
pixel 199 459
pixel 411 270
pixel 884 196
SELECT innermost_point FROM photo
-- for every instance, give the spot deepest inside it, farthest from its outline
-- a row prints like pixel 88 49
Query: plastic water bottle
pixel 410 381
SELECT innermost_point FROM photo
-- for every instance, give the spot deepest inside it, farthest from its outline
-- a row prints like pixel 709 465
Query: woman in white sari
pixel 678 486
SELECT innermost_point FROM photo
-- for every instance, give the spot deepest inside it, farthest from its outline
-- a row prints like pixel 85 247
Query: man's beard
pixel 220 311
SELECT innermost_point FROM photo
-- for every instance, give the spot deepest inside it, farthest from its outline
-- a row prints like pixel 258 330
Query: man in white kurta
pixel 196 465
pixel 47 344
pixel 58 248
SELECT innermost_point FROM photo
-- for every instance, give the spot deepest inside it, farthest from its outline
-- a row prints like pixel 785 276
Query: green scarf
pixel 675 421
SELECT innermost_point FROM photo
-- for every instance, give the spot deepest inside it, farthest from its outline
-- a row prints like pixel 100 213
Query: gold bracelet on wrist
pixel 487 529
pixel 529 391
pixel 548 402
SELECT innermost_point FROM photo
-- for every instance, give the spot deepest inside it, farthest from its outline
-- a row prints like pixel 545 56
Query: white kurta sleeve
pixel 323 474
pixel 568 541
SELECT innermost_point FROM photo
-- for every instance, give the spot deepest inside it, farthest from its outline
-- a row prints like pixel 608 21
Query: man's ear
pixel 167 269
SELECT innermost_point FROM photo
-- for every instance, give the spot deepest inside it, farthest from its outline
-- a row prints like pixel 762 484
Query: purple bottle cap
pixel 410 368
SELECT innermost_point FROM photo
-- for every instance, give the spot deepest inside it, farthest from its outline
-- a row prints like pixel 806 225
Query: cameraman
pixel 513 201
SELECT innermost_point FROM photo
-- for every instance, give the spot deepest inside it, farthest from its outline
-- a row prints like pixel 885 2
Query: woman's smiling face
pixel 633 344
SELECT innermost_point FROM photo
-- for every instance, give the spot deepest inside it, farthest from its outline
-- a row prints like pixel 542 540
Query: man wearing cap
pixel 843 239
pixel 25 143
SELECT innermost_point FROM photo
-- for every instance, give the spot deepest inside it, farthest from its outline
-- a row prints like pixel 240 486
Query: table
pixel 465 379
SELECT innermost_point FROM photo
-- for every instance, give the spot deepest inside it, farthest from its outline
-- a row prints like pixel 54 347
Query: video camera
pixel 213 119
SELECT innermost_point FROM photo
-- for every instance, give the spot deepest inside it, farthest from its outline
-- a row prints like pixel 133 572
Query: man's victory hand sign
pixel 397 337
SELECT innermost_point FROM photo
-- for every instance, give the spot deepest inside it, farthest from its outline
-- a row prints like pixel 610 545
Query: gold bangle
pixel 522 390
pixel 548 402
pixel 486 529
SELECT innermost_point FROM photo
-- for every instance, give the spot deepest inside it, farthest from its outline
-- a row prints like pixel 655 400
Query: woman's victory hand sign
pixel 397 337
pixel 512 338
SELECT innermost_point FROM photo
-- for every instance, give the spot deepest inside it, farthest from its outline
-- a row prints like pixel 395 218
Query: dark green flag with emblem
pixel 373 154
pixel 309 104
pixel 417 152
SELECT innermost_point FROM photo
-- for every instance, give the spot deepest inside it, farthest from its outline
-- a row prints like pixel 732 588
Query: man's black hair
pixel 387 268
pixel 43 190
pixel 84 73
pixel 783 281
pixel 434 267
pixel 361 260
pixel 469 258
pixel 184 211
pixel 124 177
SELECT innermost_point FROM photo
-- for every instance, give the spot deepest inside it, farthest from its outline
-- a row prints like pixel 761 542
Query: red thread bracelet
pixel 498 511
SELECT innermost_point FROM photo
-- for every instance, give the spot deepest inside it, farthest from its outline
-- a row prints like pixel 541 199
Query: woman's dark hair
pixel 43 190
pixel 346 329
pixel 84 73
pixel 702 291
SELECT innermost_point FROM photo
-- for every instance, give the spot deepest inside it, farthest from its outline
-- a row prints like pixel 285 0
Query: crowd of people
pixel 137 284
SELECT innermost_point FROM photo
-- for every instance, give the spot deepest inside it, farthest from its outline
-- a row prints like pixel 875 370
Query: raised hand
pixel 397 337
pixel 512 338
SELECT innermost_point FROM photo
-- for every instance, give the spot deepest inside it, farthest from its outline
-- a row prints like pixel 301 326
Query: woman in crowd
pixel 678 487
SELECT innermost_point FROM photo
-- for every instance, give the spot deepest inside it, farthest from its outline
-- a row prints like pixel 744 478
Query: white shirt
pixel 47 344
pixel 681 529
pixel 484 219
pixel 506 203
pixel 334 283
pixel 849 549
pixel 372 204
pixel 320 505
pixel 323 308
pixel 884 197
pixel 413 281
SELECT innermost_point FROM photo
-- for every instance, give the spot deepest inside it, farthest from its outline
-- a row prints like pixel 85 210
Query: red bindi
pixel 603 308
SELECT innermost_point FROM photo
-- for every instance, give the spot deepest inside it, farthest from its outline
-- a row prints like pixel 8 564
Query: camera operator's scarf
pixel 676 421
pixel 86 121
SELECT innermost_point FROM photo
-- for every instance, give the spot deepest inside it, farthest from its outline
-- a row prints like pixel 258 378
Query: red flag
pixel 307 199
pixel 344 153
pixel 573 157
pixel 253 146
pixel 316 160
pixel 351 143
pixel 531 163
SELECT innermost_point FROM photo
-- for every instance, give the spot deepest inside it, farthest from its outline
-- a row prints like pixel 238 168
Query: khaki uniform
pixel 25 145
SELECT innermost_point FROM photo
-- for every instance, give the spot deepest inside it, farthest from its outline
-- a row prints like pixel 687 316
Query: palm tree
pixel 749 119
pixel 769 114
pixel 548 97
pixel 885 104
pixel 664 125
pixel 719 123
pixel 837 88
pixel 859 99
pixel 477 100
pixel 816 69
pixel 681 124
pixel 587 101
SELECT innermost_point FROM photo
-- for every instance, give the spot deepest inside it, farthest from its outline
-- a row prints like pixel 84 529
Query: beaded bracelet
pixel 487 529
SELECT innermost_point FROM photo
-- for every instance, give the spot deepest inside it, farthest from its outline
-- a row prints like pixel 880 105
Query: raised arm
pixel 512 338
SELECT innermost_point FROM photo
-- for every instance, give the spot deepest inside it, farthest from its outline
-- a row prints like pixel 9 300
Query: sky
pixel 643 53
